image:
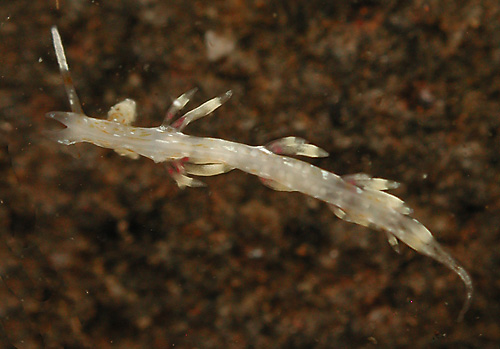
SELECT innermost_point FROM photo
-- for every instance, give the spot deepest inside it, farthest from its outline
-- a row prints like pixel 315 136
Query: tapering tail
pixel 379 210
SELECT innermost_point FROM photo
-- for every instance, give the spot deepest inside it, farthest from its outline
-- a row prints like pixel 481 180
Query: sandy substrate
pixel 98 250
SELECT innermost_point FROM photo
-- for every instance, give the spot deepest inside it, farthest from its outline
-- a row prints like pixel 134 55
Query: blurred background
pixel 98 250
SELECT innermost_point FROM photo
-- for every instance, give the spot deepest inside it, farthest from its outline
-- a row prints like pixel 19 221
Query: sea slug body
pixel 357 198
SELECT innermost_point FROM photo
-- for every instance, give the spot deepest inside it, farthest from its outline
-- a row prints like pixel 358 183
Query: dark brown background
pixel 98 250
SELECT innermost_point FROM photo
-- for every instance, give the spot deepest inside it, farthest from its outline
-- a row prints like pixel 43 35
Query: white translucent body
pixel 357 198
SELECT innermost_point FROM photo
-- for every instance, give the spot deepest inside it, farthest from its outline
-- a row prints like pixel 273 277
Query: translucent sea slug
pixel 357 198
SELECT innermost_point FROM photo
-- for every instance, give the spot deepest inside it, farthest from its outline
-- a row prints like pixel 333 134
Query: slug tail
pixel 435 251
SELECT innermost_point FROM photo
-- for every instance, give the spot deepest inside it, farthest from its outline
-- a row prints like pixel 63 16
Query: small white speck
pixel 425 175
pixel 218 46
pixel 334 254
pixel 256 253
